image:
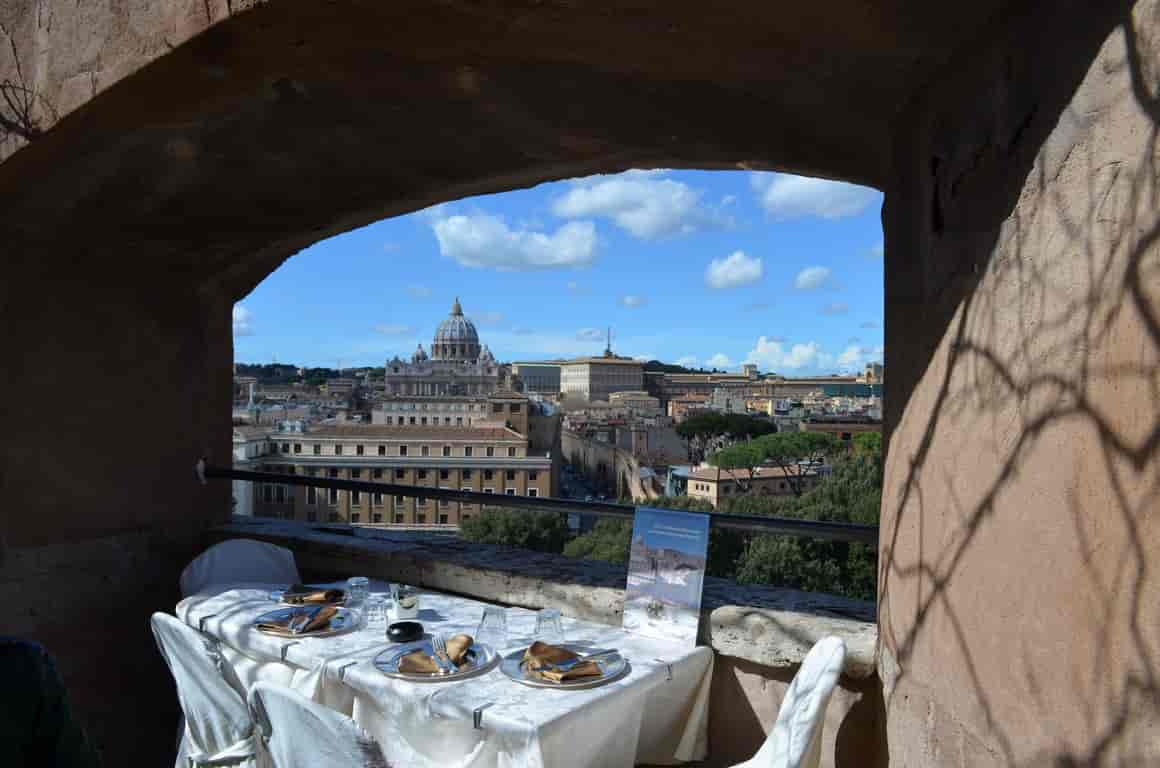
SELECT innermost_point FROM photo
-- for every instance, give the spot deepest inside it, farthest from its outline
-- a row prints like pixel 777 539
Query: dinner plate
pixel 612 667
pixel 343 621
pixel 483 658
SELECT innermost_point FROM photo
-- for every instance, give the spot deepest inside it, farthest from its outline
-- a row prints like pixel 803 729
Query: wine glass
pixel 356 589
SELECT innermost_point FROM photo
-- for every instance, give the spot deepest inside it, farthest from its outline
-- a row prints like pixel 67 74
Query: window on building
pixel 377 517
pixel 465 474
pixel 488 474
pixel 268 494
pixel 358 449
pixel 510 491
pixel 332 472
pixel 459 421
pixel 311 495
pixel 390 420
pixel 400 474
pixel 285 447
pixel 489 490
pixel 332 496
pixel 337 450
pixel 355 517
pixel 402 450
pixel 467 451
pixel 510 474
pixel 400 501
pixel 447 450
pixel 377 500
pixel 411 420
pixel 355 474
pixel 490 450
pixel 443 518
pixel 447 420
pixel 444 474
pixel 516 408
pixel 317 449
pixel 421 518
pixel 425 450
pixel 398 518
pixel 280 494
pixel 297 447
pixel 497 407
pixel 422 474
pixel 356 498
pixel 511 451
pixel 533 491
pixel 532 476
pixel 382 450
pixel 377 474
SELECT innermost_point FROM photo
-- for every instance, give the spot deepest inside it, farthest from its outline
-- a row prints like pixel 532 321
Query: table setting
pixel 445 680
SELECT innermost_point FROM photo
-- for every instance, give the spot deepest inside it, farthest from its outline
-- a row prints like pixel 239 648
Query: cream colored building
pixel 498 409
pixel 713 485
pixel 595 378
pixel 486 460
pixel 635 400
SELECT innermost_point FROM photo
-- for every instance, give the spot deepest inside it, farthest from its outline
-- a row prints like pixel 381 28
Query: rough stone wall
pixel 608 465
pixel 1018 616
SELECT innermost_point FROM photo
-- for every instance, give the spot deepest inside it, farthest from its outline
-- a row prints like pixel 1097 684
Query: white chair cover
pixel 299 733
pixel 218 728
pixel 796 738
pixel 235 561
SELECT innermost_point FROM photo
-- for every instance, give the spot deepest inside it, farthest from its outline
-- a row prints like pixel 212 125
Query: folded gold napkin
pixel 321 620
pixel 298 594
pixel 420 663
pixel 540 658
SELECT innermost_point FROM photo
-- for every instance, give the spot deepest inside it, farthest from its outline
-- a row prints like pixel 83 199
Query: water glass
pixel 356 589
pixel 549 626
pixel 375 612
pixel 406 604
pixel 492 629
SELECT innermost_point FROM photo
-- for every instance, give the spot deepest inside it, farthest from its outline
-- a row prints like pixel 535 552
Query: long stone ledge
pixel 769 626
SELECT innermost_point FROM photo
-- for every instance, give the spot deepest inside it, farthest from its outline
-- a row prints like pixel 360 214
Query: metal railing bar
pixel 865 534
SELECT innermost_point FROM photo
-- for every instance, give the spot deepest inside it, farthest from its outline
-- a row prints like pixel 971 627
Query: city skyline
pixel 704 269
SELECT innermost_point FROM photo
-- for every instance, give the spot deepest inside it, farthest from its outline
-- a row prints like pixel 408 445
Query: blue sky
pixel 708 268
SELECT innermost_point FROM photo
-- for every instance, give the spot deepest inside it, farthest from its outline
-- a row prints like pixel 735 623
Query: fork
pixel 440 648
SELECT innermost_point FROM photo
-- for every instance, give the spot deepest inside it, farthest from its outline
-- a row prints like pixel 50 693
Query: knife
pixel 564 666
pixel 298 622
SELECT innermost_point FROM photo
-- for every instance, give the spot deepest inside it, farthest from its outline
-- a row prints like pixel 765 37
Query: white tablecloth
pixel 657 714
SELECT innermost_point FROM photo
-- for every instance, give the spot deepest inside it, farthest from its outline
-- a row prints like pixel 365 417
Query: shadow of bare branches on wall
pixel 1019 624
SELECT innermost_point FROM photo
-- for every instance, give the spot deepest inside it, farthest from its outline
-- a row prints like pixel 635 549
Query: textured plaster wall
pixel 1018 616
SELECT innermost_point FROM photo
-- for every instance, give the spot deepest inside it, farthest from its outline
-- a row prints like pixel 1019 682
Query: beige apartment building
pixel 498 409
pixel 492 460
pixel 595 378
pixel 713 485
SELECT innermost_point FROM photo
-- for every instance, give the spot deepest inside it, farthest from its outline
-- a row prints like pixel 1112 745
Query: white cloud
pixel 419 291
pixel 773 356
pixel 734 270
pixel 242 321
pixel 632 301
pixel 784 196
pixel 485 241
pixel 589 334
pixel 640 203
pixel 836 308
pixel 394 329
pixel 854 358
pixel 687 361
pixel 811 278
pixel 719 360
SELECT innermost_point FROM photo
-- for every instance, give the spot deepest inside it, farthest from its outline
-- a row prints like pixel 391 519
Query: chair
pixel 236 561
pixel 299 733
pixel 796 738
pixel 218 729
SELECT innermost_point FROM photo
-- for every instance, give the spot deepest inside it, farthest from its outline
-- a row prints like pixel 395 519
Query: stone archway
pixel 164 157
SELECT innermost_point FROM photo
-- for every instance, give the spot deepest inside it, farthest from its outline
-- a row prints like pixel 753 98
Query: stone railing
pixel 760 634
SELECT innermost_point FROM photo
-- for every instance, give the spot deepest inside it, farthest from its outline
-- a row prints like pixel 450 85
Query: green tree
pixel 539 531
pixel 608 540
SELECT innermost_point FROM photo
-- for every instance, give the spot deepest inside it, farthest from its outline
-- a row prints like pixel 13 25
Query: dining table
pixel 655 714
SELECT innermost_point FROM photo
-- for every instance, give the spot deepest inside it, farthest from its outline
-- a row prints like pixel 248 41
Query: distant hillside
pixel 656 366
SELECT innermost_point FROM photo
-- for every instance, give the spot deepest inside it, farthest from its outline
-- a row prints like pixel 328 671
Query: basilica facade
pixel 457 365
